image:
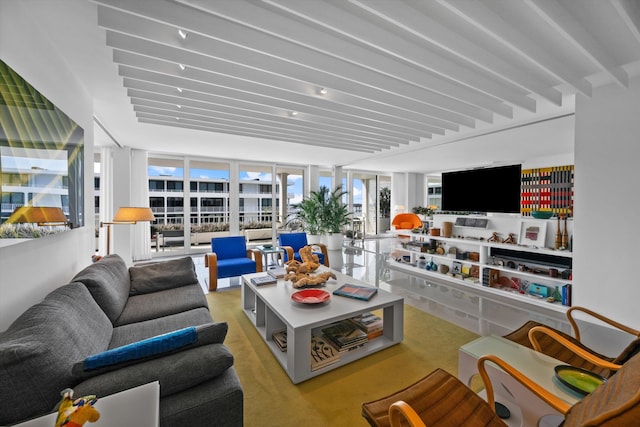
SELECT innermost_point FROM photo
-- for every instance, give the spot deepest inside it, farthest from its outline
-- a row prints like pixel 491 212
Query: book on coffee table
pixel 263 280
pixel 364 293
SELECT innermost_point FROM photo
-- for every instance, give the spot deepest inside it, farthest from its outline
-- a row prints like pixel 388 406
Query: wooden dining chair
pixel 440 400
pixel 570 349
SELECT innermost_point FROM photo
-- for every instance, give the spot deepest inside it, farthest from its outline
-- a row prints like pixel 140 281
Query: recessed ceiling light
pixel 179 106
pixel 294 113
pixel 182 66
pixel 179 89
pixel 177 118
pixel 323 91
pixel 183 34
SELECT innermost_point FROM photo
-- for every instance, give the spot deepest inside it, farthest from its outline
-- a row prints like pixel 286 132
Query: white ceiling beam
pixel 482 17
pixel 240 130
pixel 443 76
pixel 217 37
pixel 211 110
pixel 167 84
pixel 159 91
pixel 563 23
pixel 629 12
pixel 266 127
pixel 437 34
pixel 334 101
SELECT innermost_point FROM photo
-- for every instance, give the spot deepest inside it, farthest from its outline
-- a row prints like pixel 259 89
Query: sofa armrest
pixel 176 372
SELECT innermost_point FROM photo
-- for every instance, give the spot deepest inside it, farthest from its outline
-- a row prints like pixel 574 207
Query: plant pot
pixel 333 241
pixel 314 238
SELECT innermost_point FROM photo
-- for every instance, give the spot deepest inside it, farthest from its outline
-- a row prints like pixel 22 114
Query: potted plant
pixel 307 215
pixel 335 216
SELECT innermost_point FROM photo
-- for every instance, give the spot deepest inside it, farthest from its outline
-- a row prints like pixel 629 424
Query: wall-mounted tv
pixel 482 190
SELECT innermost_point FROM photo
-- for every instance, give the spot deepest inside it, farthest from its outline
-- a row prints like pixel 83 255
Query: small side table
pixel 273 256
pixel 138 406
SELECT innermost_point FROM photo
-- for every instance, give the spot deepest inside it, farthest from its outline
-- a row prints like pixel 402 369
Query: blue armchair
pixel 229 258
pixel 293 242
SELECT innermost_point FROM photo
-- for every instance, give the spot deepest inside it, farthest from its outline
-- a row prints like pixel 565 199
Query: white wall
pixel 29 270
pixel 607 224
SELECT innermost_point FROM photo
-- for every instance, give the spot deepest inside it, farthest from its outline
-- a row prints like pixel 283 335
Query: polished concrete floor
pixel 366 260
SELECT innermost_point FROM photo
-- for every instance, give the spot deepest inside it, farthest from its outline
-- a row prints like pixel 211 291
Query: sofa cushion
pixel 39 349
pixel 133 332
pixel 158 276
pixel 162 303
pixel 175 372
pixel 150 347
pixel 108 281
pixel 117 358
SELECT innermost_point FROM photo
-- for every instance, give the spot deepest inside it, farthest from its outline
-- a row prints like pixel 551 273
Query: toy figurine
pixel 75 413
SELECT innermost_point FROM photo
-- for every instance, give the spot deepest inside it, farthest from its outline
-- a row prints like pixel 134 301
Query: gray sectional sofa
pixel 99 335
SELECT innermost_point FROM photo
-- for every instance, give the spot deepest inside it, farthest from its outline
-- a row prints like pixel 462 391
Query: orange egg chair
pixel 406 221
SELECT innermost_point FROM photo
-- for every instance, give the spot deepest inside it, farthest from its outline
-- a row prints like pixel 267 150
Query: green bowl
pixel 542 214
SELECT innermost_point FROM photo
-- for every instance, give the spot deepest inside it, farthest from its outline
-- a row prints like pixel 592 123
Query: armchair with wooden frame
pixel 230 257
pixel 570 349
pixel 440 399
pixel 291 243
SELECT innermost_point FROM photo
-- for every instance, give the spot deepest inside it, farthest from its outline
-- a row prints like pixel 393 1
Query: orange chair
pixel 406 221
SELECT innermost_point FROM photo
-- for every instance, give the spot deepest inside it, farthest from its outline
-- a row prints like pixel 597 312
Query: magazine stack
pixel 345 335
pixel 369 323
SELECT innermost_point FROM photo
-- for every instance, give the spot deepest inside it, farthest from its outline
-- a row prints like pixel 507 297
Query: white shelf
pixel 478 288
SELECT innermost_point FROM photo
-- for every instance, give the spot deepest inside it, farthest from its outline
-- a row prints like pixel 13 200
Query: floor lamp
pixel 127 215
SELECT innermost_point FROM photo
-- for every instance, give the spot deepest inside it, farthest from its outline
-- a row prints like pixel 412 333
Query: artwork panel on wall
pixel 547 189
pixel 41 162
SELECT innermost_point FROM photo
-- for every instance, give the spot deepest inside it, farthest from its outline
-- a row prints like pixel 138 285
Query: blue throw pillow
pixel 142 349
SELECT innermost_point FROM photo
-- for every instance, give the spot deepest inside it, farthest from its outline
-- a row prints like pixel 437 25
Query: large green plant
pixel 321 212
pixel 336 214
pixel 308 213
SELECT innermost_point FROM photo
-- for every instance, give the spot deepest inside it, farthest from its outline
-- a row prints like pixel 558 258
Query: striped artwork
pixel 547 189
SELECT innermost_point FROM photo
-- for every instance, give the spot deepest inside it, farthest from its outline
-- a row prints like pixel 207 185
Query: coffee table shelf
pixel 270 309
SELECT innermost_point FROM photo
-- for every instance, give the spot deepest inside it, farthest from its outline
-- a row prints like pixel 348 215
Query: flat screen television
pixel 482 190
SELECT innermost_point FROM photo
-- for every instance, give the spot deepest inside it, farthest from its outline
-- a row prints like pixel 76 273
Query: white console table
pixel 138 406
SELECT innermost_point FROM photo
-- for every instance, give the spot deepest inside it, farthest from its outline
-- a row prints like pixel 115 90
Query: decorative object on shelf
pixel 444 269
pixel 302 273
pixel 447 229
pixel 495 237
pixel 511 239
pixel 558 235
pixel 565 234
pixel 422 262
pixel 542 214
pixel 75 413
pixel 532 233
pixel 434 231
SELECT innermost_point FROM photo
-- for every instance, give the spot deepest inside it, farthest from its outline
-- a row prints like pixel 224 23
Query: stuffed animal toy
pixel 75 413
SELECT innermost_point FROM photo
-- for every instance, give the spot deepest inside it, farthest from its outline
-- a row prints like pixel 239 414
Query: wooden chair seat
pixel 440 399
pixel 558 344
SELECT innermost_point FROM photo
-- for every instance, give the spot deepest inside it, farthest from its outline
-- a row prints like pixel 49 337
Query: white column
pixel 140 232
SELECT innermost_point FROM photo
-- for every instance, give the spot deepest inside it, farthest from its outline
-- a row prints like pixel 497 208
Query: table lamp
pixel 127 215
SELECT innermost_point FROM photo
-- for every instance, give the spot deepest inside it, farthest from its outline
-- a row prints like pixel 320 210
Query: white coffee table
pixel 270 309
pixel 537 366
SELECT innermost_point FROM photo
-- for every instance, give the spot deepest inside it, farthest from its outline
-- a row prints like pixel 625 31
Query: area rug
pixel 334 398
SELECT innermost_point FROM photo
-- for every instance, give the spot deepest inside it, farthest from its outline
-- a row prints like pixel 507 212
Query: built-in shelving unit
pixel 494 277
